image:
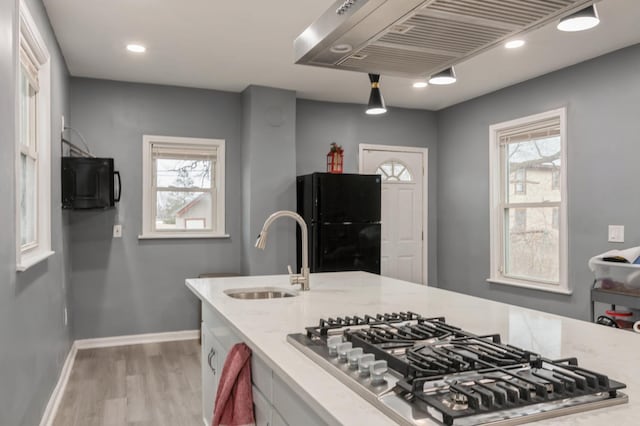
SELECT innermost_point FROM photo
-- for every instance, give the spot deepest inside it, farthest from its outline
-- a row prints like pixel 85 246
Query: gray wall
pixel 130 286
pixel 268 180
pixel 35 340
pixel 320 123
pixel 602 99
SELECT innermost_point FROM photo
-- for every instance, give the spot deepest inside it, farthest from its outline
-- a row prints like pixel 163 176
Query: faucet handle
pixel 289 268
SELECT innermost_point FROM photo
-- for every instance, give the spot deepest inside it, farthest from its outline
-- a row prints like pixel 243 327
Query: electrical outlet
pixel 117 231
pixel 616 233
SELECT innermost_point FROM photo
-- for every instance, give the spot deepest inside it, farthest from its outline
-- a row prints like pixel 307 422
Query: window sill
pixel 180 236
pixel 513 283
pixel 29 260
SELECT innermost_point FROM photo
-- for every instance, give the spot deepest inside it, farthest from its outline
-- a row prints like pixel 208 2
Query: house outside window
pixel 183 187
pixel 519 220
pixel 520 181
pixel 33 158
pixel 555 179
pixel 529 227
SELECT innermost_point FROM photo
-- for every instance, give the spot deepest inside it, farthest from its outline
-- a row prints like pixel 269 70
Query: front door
pixel 402 171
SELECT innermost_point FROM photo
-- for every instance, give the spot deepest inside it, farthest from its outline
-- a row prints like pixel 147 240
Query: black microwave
pixel 89 183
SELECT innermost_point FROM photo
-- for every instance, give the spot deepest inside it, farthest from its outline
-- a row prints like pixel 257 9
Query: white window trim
pixel 496 215
pixel 29 257
pixel 147 196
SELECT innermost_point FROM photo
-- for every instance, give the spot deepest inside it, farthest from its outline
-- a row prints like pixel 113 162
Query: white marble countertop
pixel 264 325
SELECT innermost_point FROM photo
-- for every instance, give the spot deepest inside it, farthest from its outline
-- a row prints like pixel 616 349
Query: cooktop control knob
pixel 353 356
pixel 332 344
pixel 378 370
pixel 343 348
pixel 364 363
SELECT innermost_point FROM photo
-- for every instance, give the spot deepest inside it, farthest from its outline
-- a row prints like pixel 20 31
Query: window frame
pixel 497 230
pixel 30 40
pixel 148 199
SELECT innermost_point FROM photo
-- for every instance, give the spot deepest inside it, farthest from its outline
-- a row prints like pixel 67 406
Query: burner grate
pixel 391 341
pixel 499 389
pixel 466 353
pixel 437 369
pixel 325 325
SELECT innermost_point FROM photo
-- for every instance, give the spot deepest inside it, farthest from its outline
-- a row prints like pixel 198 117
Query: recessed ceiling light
pixel 447 76
pixel 136 48
pixel 514 44
pixel 420 84
pixel 341 48
pixel 581 20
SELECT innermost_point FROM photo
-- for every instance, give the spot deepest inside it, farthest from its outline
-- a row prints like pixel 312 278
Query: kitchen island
pixel 290 386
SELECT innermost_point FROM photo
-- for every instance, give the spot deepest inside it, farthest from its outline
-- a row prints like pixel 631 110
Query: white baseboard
pixel 56 396
pixel 137 339
pixel 103 342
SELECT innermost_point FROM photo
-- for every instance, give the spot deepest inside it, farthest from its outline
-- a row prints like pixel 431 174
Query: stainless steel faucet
pixel 261 242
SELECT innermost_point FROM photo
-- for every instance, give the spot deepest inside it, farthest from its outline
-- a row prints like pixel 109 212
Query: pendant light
pixel 444 77
pixel 376 101
pixel 581 20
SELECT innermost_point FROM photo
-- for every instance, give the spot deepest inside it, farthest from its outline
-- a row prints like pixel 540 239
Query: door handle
pixel 117 200
pixel 211 355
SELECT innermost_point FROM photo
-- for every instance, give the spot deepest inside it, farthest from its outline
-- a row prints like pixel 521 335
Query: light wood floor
pixel 151 384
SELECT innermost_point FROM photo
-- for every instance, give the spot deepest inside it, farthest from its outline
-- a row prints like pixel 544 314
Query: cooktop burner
pixel 418 370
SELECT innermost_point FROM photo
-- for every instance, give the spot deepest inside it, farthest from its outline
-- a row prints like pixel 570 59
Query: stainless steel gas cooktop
pixel 422 370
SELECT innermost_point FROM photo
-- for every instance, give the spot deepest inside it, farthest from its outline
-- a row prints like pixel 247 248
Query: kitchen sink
pixel 259 293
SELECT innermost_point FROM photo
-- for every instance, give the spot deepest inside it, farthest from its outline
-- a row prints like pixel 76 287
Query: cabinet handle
pixel 211 355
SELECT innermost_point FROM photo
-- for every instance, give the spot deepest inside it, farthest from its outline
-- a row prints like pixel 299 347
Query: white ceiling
pixel 229 45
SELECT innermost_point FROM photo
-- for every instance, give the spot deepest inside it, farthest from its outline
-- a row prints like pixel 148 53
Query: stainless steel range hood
pixel 418 37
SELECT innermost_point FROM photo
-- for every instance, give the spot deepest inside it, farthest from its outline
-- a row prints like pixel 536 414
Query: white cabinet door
pixel 277 419
pixel 211 365
pixel 293 409
pixel 262 408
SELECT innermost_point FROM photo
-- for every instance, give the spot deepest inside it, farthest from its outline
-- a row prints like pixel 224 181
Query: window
pixel 394 171
pixel 183 187
pixel 528 217
pixel 33 218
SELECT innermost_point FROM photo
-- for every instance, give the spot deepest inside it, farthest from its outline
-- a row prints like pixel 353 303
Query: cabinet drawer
pixel 219 327
pixel 262 377
pixel 292 408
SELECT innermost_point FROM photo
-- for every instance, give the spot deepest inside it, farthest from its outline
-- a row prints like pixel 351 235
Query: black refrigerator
pixel 342 212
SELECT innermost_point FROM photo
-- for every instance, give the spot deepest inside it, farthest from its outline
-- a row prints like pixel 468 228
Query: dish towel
pixel 234 399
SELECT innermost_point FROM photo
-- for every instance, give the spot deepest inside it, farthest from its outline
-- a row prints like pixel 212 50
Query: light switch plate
pixel 117 231
pixel 616 233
